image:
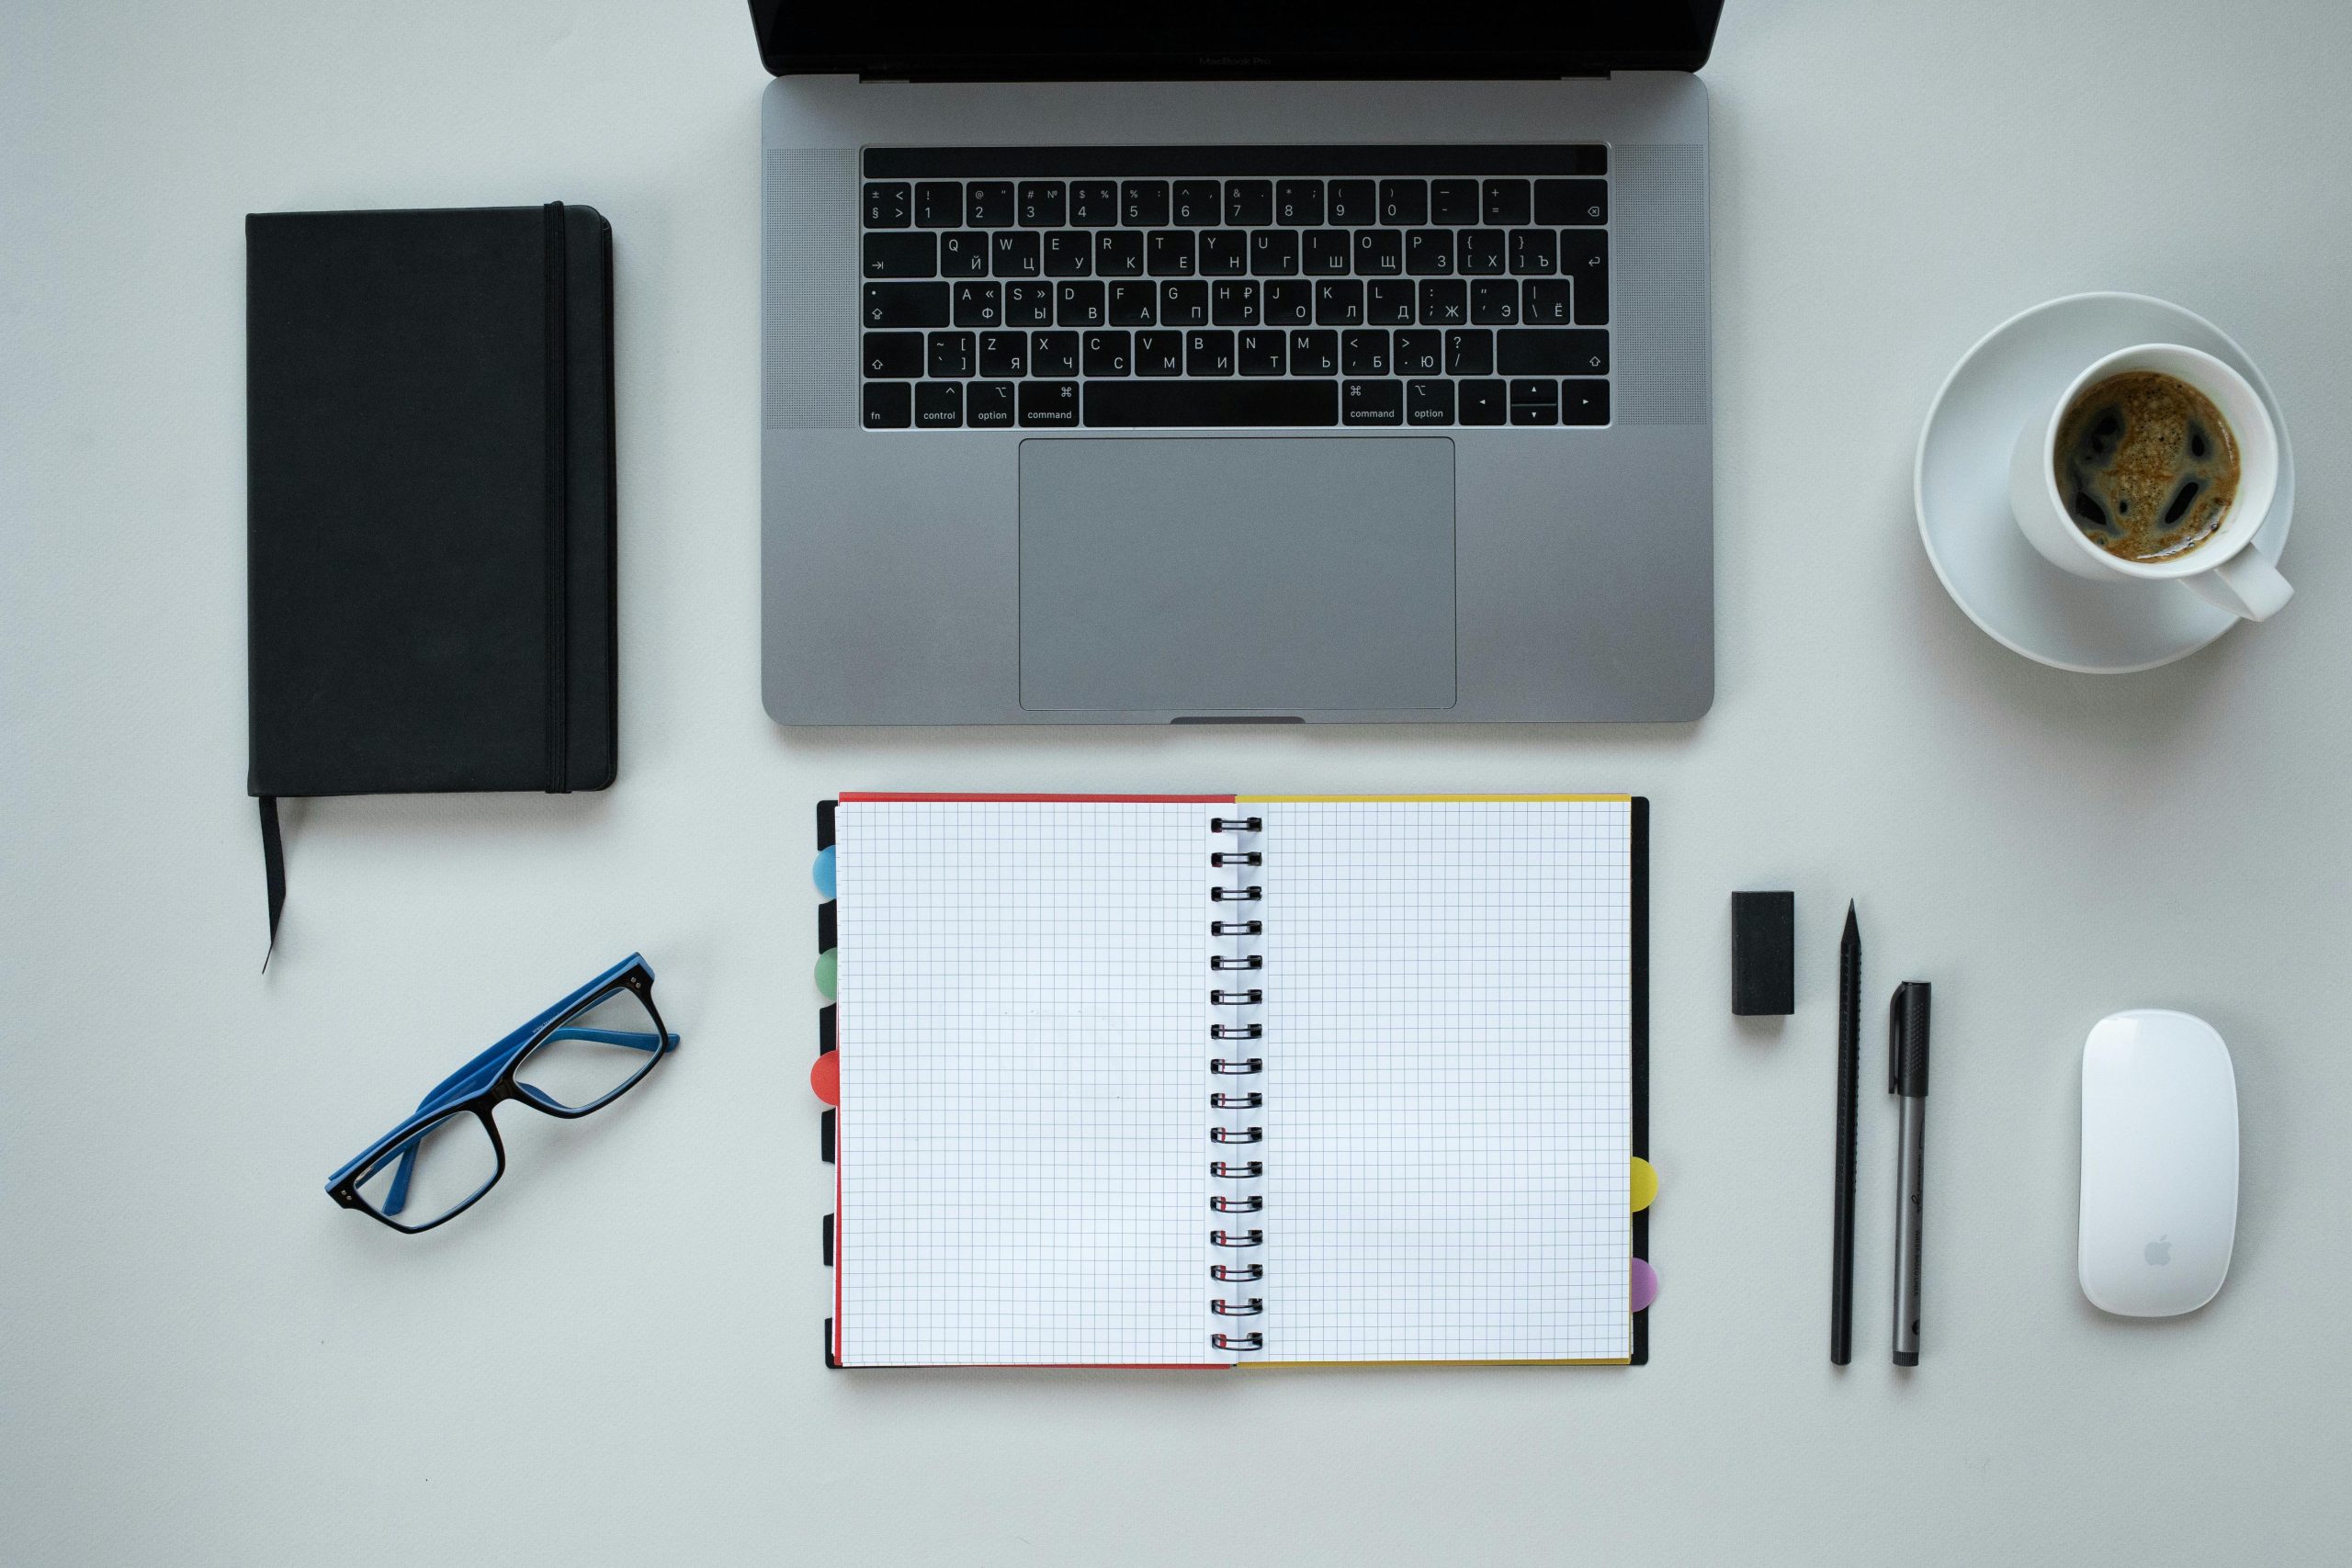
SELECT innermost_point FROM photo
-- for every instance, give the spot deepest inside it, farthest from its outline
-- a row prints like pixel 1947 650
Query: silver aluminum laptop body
pixel 1039 574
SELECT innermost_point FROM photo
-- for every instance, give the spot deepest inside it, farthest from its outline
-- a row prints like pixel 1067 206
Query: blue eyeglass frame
pixel 488 1081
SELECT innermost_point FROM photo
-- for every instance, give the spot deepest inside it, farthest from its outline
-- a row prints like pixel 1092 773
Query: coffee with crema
pixel 2146 466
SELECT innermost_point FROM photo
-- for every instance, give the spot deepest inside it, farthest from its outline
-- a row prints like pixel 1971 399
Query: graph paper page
pixel 1448 1082
pixel 1022 1147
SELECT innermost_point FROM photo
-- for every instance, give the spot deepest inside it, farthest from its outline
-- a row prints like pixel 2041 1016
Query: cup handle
pixel 2246 585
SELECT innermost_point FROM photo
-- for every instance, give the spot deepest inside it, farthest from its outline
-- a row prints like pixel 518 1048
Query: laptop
pixel 1236 370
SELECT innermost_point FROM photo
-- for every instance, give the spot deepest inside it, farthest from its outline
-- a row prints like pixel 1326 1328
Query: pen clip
pixel 1895 1043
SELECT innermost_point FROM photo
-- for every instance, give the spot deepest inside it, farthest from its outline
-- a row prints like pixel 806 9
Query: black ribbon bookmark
pixel 273 862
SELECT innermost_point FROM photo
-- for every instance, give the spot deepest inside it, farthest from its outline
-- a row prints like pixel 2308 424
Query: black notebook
pixel 430 524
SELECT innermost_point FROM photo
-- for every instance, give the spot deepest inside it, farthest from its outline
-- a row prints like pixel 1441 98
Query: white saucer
pixel 1961 487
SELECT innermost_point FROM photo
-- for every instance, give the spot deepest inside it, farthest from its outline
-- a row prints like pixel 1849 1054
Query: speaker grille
pixel 1661 261
pixel 808 284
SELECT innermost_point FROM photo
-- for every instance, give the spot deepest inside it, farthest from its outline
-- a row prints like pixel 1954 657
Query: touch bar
pixel 1133 405
pixel 1140 163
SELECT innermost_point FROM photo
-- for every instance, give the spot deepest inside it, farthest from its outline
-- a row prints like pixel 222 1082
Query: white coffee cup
pixel 2221 570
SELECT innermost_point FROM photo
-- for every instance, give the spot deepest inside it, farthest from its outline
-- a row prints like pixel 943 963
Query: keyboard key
pixel 1494 302
pixel 1454 202
pixel 1380 253
pixel 1053 354
pixel 1584 255
pixel 1388 302
pixel 1445 302
pixel 951 355
pixel 939 204
pixel 1169 252
pixel 1208 353
pixel 1234 303
pixel 1093 204
pixel 1044 203
pixel 1273 252
pixel 1429 253
pixel 1535 402
pixel 1143 204
pixel 1327 253
pixel 1050 403
pixel 1028 304
pixel 939 404
pixel 905 304
pixel 990 202
pixel 1184 304
pixel 1298 203
pixel 1004 354
pixel 1131 304
pixel 979 304
pixel 1339 303
pixel 1013 254
pixel 1225 253
pixel 1533 253
pixel 1565 204
pixel 1134 405
pixel 1079 305
pixel 890 405
pixel 1353 202
pixel 1506 202
pixel 901 255
pixel 1428 402
pixel 1372 402
pixel 1470 352
pixel 1288 302
pixel 1484 253
pixel 989 404
pixel 891 354
pixel 1259 354
pixel 1198 204
pixel 1364 352
pixel 1484 402
pixel 889 204
pixel 1159 354
pixel 964 254
pixel 1404 202
pixel 1314 353
pixel 1535 350
pixel 1068 254
pixel 1249 204
pixel 1584 402
pixel 1420 353
pixel 1118 252
pixel 1546 301
pixel 1109 353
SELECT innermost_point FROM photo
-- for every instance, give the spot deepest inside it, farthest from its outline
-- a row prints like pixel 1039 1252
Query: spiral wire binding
pixel 1235 1012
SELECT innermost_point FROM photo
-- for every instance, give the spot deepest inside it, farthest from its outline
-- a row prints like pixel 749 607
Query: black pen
pixel 1906 1078
pixel 1849 1072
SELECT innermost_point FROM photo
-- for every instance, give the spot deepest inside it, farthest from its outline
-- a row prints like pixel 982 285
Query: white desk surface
pixel 615 1360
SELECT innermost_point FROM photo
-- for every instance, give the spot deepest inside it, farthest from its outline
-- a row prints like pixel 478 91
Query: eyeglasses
pixel 578 1056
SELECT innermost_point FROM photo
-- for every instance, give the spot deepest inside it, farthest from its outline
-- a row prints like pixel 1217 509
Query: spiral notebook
pixel 1216 1080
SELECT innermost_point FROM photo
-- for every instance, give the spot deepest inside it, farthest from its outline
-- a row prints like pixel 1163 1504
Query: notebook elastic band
pixel 559 505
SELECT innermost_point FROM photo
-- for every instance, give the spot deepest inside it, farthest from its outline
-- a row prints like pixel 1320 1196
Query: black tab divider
pixel 829 925
pixel 825 1039
pixel 825 1135
pixel 830 1362
pixel 829 1241
pixel 825 824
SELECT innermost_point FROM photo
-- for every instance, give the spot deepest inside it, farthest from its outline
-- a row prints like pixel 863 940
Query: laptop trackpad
pixel 1220 576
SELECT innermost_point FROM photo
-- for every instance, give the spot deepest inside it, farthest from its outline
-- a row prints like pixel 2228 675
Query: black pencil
pixel 1849 1054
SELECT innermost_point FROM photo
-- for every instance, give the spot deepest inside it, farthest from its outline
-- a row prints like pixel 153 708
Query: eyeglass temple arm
pixel 472 1076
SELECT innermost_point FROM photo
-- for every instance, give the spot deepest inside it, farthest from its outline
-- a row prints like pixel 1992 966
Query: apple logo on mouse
pixel 2159 1251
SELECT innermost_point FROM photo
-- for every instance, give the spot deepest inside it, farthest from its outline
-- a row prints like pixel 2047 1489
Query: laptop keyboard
pixel 1234 287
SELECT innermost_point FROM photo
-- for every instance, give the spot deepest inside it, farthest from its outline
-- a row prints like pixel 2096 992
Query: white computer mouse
pixel 2160 1163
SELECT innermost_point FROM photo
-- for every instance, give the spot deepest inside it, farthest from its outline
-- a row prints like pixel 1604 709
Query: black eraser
pixel 1763 954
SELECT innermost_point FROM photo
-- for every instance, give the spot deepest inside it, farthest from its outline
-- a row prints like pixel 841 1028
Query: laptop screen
pixel 1059 40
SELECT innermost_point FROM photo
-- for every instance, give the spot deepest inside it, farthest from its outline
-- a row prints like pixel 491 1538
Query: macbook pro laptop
pixel 1236 364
